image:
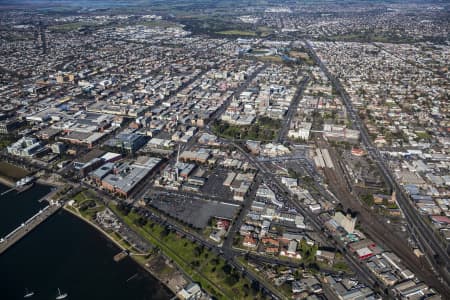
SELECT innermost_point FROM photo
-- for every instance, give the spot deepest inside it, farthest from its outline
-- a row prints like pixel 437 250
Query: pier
pixel 121 255
pixel 26 227
pixel 19 189
pixel 8 191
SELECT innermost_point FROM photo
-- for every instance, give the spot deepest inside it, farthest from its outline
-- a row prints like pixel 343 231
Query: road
pixel 373 224
pixel 229 254
pixel 275 184
pixel 237 223
pixel 292 109
pixel 140 191
pixel 426 237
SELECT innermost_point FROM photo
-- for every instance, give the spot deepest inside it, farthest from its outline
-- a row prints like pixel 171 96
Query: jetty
pixel 121 255
pixel 26 227
pixel 22 185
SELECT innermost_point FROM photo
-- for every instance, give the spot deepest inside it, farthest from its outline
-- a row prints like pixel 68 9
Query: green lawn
pixel 422 135
pixel 5 141
pixel 88 204
pixel 202 265
pixel 72 26
pixel 287 293
pixel 237 32
pixel 264 129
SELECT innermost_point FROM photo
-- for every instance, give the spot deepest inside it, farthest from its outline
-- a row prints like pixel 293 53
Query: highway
pixel 426 237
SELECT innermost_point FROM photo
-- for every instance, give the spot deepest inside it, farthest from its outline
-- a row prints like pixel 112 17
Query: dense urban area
pixel 241 149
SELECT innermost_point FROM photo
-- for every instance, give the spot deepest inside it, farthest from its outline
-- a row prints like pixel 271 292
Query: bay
pixel 64 252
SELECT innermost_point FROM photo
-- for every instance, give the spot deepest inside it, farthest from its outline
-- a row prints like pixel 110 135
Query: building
pixel 200 156
pixel 25 147
pixel 86 158
pixel 82 138
pixel 249 242
pixel 345 221
pixel 99 174
pixel 340 133
pixel 191 292
pixel 8 126
pixel 325 256
pixel 303 131
pixel 130 142
pixel 58 148
pixel 127 176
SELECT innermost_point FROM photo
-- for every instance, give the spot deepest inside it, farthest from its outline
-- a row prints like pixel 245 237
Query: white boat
pixel 28 294
pixel 25 181
pixel 61 296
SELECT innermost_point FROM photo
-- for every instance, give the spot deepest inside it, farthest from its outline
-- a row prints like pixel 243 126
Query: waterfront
pixel 67 253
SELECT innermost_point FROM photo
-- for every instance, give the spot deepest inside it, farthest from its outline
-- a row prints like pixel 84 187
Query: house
pixel 249 242
pixel 191 292
pixel 325 256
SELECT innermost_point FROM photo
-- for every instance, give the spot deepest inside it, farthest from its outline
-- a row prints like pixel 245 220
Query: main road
pixel 274 183
pixel 426 237
pixel 292 109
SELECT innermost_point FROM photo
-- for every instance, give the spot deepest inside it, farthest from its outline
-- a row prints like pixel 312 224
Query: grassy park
pixel 88 204
pixel 264 129
pixel 237 32
pixel 203 266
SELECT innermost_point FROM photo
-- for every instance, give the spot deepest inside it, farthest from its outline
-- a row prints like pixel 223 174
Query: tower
pixel 178 160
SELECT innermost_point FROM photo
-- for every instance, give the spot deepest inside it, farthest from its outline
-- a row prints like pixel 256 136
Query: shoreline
pixel 121 247
pixel 104 233
pixel 5 175
pixel 7 181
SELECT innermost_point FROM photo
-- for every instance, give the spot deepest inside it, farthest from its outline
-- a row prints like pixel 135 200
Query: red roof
pixel 441 219
pixel 357 151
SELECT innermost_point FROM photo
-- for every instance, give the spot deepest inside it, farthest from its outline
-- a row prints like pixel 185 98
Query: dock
pixel 26 227
pixel 8 191
pixel 19 189
pixel 121 255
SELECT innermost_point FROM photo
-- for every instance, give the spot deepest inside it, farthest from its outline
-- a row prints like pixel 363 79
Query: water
pixel 17 208
pixel 66 253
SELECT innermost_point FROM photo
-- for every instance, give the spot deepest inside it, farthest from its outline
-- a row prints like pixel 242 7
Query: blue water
pixel 66 253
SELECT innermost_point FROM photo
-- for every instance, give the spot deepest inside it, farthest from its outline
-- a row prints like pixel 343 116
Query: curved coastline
pixel 121 247
pixel 114 245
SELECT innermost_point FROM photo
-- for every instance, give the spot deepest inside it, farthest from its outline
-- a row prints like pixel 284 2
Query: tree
pixel 140 221
pixel 227 269
pixel 165 232
pixel 255 286
pixel 198 251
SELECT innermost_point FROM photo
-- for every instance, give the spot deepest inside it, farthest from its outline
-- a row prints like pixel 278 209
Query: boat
pixel 24 181
pixel 28 294
pixel 61 296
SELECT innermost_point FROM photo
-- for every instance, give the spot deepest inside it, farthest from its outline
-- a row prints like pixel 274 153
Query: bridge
pixel 26 227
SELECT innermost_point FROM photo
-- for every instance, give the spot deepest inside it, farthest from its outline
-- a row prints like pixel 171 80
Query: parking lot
pixel 196 212
pixel 214 185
